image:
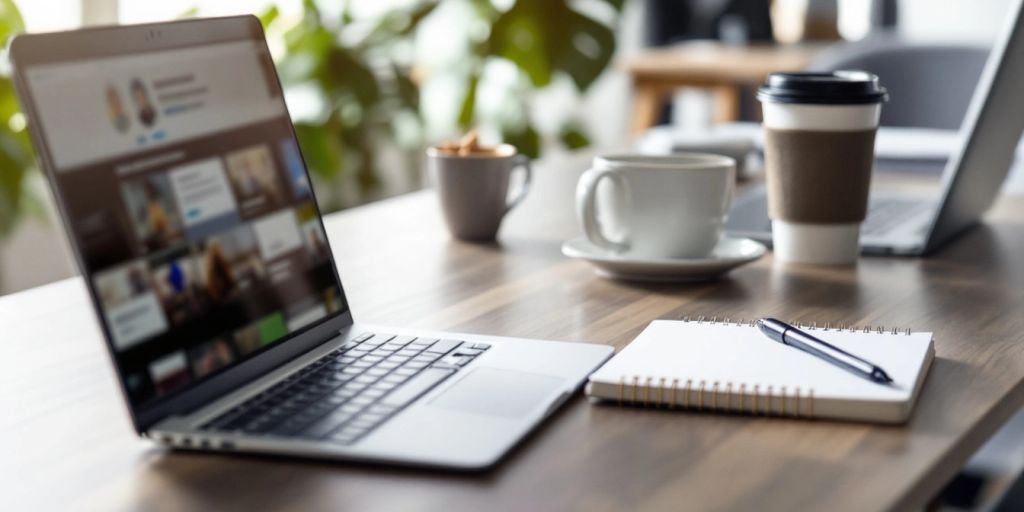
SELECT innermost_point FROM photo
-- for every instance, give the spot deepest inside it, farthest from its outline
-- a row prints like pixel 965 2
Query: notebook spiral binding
pixel 813 326
pixel 729 396
pixel 717 396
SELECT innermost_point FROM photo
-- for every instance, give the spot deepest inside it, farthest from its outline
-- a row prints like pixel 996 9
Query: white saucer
pixel 727 255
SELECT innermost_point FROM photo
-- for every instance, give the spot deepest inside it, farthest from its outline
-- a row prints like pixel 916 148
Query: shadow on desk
pixel 984 248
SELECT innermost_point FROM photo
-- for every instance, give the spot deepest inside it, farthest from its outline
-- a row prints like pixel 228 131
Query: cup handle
pixel 586 208
pixel 524 162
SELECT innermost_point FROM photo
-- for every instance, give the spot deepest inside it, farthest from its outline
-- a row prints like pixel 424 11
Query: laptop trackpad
pixel 497 392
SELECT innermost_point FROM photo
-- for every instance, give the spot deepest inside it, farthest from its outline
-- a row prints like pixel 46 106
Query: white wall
pixel 953 21
pixel 50 15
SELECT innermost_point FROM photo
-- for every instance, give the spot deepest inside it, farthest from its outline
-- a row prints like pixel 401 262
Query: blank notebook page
pixel 721 355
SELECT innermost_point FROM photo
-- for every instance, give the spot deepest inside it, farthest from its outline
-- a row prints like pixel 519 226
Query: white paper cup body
pixel 819 244
pixel 825 244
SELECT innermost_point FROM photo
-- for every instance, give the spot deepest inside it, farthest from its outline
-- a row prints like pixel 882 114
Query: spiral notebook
pixel 732 367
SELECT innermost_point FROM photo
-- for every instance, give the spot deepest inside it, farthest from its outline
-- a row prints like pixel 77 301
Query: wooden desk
pixel 66 443
pixel 657 73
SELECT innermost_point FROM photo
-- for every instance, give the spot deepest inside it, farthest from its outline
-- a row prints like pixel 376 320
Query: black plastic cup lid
pixel 835 88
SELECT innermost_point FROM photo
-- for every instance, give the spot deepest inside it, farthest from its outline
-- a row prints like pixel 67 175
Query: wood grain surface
pixel 66 443
pixel 657 73
pixel 715 63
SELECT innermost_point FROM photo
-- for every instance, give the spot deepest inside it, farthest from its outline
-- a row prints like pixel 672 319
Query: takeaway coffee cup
pixel 819 138
pixel 668 207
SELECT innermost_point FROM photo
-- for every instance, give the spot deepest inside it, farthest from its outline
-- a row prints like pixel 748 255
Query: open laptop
pixel 187 203
pixel 906 225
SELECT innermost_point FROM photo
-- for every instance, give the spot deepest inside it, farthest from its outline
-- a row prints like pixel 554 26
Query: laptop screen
pixel 190 205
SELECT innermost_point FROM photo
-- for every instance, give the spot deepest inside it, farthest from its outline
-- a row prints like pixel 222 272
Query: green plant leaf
pixel 573 137
pixel 367 176
pixel 269 16
pixel 542 37
pixel 16 157
pixel 485 9
pixel 11 22
pixel 348 77
pixel 525 139
pixel 588 53
pixel 346 13
pixel 468 108
pixel 191 12
pixel 306 48
pixel 319 149
pixel 398 24
pixel 311 13
pixel 525 35
pixel 408 91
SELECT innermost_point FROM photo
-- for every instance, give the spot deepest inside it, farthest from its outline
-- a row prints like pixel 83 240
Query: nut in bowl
pixel 469 145
pixel 472 183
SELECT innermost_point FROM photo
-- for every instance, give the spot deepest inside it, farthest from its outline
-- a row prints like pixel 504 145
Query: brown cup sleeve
pixel 818 177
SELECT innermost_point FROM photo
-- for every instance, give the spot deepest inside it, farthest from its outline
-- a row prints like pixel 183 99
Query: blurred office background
pixel 424 71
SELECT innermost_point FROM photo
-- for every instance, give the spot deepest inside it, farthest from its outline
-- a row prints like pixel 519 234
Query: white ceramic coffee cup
pixel 670 206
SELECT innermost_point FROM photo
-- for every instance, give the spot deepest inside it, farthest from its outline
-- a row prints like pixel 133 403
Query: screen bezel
pixel 29 50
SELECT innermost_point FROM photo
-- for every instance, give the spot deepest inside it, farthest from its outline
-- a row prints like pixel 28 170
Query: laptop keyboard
pixel 885 214
pixel 351 390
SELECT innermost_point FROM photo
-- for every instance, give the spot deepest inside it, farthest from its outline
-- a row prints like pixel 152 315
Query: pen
pixel 788 335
